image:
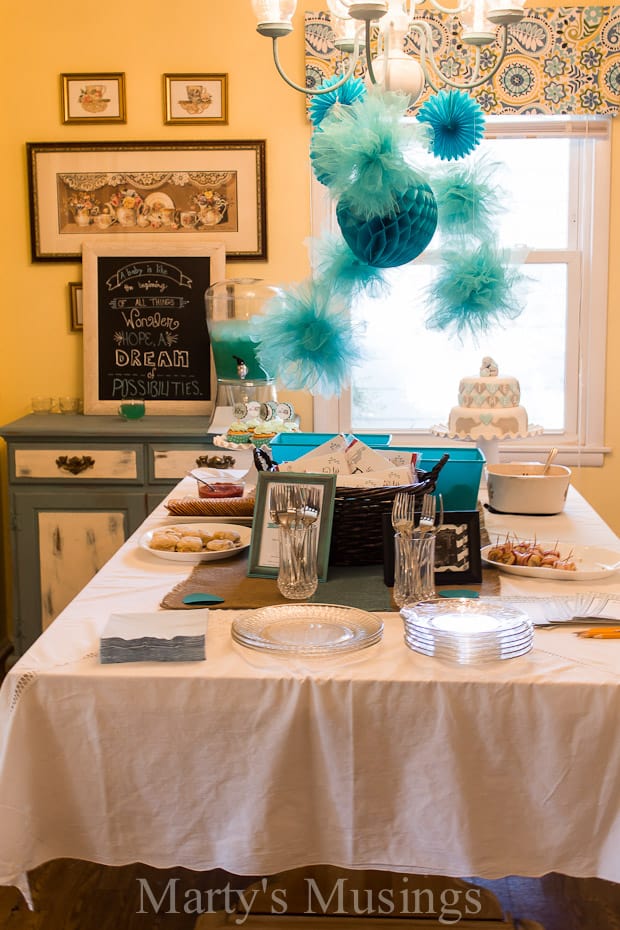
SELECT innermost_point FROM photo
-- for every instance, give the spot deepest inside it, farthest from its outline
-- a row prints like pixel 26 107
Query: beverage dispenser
pixel 242 383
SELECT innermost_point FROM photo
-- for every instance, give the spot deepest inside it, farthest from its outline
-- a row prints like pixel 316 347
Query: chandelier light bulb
pixel 274 17
pixel 344 33
pixel 505 12
pixel 476 28
pixel 366 10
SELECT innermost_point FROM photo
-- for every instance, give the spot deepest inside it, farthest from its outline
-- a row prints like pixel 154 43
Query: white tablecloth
pixel 256 764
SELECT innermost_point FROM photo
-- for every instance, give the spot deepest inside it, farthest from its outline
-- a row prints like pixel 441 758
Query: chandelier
pixel 483 23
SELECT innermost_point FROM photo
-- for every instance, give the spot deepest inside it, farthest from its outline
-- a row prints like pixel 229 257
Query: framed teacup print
pixel 195 98
pixel 88 98
pixel 83 190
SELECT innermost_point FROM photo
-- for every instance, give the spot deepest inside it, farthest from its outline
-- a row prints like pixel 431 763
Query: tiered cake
pixel 489 408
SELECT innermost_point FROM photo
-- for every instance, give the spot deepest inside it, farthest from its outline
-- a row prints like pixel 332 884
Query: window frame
pixel 587 256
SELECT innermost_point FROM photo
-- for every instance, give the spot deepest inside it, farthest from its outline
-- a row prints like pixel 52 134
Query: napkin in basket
pixel 155 636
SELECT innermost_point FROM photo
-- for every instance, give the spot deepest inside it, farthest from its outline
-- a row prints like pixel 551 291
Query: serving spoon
pixel 549 460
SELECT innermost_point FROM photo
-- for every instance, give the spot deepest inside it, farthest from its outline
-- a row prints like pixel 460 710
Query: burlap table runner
pixel 361 587
pixel 353 587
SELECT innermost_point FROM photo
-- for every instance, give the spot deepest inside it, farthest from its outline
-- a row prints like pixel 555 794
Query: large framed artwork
pixel 145 331
pixel 191 190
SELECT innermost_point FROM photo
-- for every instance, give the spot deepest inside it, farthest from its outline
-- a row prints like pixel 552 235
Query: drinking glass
pixel 414 568
pixel 69 404
pixel 42 404
pixel 131 409
pixel 298 575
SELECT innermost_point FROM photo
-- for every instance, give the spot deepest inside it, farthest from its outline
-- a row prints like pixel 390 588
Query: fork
pixel 427 516
pixel 403 513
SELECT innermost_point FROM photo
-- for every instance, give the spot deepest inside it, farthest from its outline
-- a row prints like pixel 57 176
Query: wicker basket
pixel 357 531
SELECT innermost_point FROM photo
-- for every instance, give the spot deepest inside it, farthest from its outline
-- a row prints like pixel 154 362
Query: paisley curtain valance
pixel 559 60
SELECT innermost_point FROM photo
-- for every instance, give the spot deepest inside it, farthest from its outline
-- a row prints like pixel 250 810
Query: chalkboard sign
pixel 145 329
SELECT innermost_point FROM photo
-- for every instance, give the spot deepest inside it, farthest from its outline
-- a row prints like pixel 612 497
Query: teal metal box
pixel 458 482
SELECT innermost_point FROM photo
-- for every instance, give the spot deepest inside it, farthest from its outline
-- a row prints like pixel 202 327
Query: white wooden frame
pixel 157 247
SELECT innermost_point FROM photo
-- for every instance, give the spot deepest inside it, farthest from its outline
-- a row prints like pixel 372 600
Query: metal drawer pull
pixel 75 463
pixel 215 461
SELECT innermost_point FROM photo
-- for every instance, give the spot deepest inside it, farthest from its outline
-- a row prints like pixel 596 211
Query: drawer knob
pixel 215 461
pixel 74 463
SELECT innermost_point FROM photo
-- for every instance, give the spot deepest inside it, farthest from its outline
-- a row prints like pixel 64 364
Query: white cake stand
pixel 486 438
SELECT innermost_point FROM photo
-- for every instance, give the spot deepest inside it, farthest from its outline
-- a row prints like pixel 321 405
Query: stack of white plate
pixel 467 631
pixel 307 629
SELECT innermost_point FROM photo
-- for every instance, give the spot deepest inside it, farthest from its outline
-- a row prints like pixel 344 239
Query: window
pixel 555 174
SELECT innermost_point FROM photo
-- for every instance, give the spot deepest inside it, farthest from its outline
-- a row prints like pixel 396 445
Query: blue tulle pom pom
pixel 306 337
pixel 468 199
pixel 457 121
pixel 338 268
pixel 323 104
pixel 360 152
pixel 395 239
pixel 473 290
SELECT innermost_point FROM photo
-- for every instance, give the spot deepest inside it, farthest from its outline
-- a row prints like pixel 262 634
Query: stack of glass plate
pixel 467 631
pixel 307 629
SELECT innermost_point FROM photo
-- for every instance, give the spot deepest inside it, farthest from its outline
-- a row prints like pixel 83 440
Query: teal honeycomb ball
pixel 389 241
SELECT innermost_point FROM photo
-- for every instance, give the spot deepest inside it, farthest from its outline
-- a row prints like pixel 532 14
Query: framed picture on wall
pixel 76 312
pixel 195 98
pixel 191 190
pixel 93 98
pixel 145 331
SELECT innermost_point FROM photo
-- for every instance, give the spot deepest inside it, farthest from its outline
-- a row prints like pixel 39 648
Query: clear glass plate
pixel 307 629
pixel 466 656
pixel 507 640
pixel 464 617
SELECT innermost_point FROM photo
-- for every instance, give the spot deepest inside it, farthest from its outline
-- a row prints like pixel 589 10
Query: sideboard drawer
pixel 66 463
pixel 173 463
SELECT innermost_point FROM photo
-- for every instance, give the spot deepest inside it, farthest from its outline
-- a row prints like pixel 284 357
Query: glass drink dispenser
pixel 241 380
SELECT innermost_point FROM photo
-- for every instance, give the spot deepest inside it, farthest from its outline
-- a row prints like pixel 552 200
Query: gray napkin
pixel 157 636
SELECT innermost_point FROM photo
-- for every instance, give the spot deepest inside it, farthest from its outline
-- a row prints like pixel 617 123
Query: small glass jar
pixel 414 568
pixel 297 575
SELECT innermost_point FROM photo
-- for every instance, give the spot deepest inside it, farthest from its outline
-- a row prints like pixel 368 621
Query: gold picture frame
pixel 187 189
pixel 196 98
pixel 76 306
pixel 94 98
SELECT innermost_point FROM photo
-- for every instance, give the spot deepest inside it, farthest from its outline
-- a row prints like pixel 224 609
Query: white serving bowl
pixel 521 487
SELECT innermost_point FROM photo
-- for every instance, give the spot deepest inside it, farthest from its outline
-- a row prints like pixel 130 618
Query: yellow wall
pixel 146 39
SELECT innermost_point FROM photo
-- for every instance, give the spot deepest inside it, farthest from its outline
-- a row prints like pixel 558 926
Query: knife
pixel 577 621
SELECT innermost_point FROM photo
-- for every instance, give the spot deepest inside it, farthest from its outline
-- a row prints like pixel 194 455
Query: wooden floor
pixel 72 895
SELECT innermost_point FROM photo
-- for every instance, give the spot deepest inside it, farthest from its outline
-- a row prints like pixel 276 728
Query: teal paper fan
pixel 457 121
pixel 324 104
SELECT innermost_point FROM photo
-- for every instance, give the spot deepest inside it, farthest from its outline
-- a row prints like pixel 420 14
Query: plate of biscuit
pixel 196 542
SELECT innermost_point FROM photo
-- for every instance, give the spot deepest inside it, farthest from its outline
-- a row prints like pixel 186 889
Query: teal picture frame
pixel 262 557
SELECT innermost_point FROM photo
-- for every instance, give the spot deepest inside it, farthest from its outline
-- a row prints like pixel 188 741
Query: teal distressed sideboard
pixel 78 487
